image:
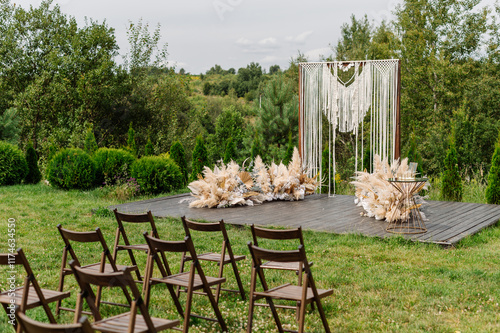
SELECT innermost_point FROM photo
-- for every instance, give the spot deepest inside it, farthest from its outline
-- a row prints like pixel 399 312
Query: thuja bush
pixel 451 183
pixel 13 166
pixel 112 164
pixel 200 158
pixel 178 154
pixel 149 149
pixel 230 152
pixel 90 145
pixel 157 174
pixel 71 168
pixel 493 189
pixel 34 175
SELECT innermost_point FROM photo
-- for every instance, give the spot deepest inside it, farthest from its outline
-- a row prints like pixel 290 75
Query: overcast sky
pixel 231 33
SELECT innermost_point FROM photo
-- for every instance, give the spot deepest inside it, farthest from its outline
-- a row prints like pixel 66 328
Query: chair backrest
pixel 157 245
pixel 260 254
pixel 85 237
pixel 258 232
pixel 121 279
pixel 207 227
pixel 134 218
pixel 31 326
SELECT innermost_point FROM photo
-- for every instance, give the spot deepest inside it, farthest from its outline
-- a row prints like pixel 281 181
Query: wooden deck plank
pixel 447 222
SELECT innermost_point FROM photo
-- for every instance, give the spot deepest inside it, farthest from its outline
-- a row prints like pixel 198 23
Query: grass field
pixel 379 285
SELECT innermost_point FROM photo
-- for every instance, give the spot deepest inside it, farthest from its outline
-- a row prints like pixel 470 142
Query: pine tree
pixel 90 145
pixel 493 189
pixel 178 154
pixel 200 158
pixel 149 149
pixel 289 150
pixel 34 175
pixel 131 145
pixel 451 181
pixel 230 153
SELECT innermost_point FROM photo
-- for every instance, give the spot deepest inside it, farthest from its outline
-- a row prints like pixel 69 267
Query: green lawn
pixel 379 285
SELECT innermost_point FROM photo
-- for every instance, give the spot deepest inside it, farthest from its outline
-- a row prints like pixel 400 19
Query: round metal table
pixel 412 222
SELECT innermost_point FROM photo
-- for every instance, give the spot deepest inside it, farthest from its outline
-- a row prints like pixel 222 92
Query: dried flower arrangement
pixel 230 185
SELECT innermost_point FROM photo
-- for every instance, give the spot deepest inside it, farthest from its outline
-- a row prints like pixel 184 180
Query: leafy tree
pixel 355 40
pixel 274 69
pixel 207 88
pixel 278 115
pixel 230 152
pixel 90 142
pixel 131 144
pixel 451 181
pixel 34 175
pixel 229 124
pixel 414 156
pixel 149 149
pixel 248 79
pixel 493 189
pixel 200 158
pixel 179 156
pixel 9 126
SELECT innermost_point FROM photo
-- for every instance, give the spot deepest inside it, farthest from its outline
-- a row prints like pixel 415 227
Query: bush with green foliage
pixel 493 189
pixel 90 143
pixel 200 158
pixel 256 149
pixel 149 149
pixel 112 164
pixel 34 175
pixel 13 166
pixel 71 168
pixel 131 144
pixel 289 150
pixel 414 156
pixel 230 153
pixel 178 154
pixel 157 174
pixel 451 182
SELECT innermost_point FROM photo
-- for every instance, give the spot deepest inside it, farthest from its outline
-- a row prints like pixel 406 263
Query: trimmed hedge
pixel 156 174
pixel 71 169
pixel 112 164
pixel 13 166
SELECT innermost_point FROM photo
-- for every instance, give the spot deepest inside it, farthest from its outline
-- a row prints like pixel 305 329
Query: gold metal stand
pixel 413 223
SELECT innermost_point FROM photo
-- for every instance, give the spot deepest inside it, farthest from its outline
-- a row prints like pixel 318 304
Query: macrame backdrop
pixel 372 88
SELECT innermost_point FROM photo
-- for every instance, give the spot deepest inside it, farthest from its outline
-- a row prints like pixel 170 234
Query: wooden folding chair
pixel 122 218
pixel 25 297
pixel 131 321
pixel 33 326
pixel 101 266
pixel 274 234
pixel 194 279
pixel 303 295
pixel 226 256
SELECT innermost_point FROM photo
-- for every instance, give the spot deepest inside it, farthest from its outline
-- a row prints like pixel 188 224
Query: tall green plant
pixel 178 154
pixel 256 148
pixel 34 175
pixel 90 142
pixel 289 150
pixel 413 154
pixel 149 149
pixel 131 144
pixel 451 181
pixel 200 158
pixel 230 153
pixel 493 189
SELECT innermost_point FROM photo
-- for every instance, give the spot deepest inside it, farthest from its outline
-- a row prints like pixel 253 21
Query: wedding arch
pixel 345 93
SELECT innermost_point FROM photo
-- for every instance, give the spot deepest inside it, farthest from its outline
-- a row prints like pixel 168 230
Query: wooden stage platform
pixel 448 222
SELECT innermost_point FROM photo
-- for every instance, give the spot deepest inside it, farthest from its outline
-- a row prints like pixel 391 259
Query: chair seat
pixel 288 266
pixel 139 247
pixel 119 324
pixel 108 268
pixel 210 256
pixel 293 293
pixel 33 300
pixel 182 280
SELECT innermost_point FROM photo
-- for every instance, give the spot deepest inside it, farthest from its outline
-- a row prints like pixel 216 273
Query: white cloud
pixel 244 41
pixel 300 38
pixel 271 59
pixel 269 42
pixel 314 55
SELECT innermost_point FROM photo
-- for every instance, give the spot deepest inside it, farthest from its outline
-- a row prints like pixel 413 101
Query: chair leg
pixel 187 313
pixel 302 315
pixel 215 306
pixel 250 313
pixel 238 280
pixel 322 315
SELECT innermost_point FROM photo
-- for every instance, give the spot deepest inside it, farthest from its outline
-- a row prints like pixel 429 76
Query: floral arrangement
pixel 377 196
pixel 231 185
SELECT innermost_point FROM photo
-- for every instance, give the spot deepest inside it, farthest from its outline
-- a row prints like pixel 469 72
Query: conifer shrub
pixel 71 168
pixel 256 149
pixel 149 149
pixel 200 158
pixel 34 175
pixel 289 150
pixel 112 165
pixel 230 152
pixel 493 188
pixel 131 144
pixel 13 166
pixel 156 174
pixel 451 182
pixel 178 154
pixel 90 145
